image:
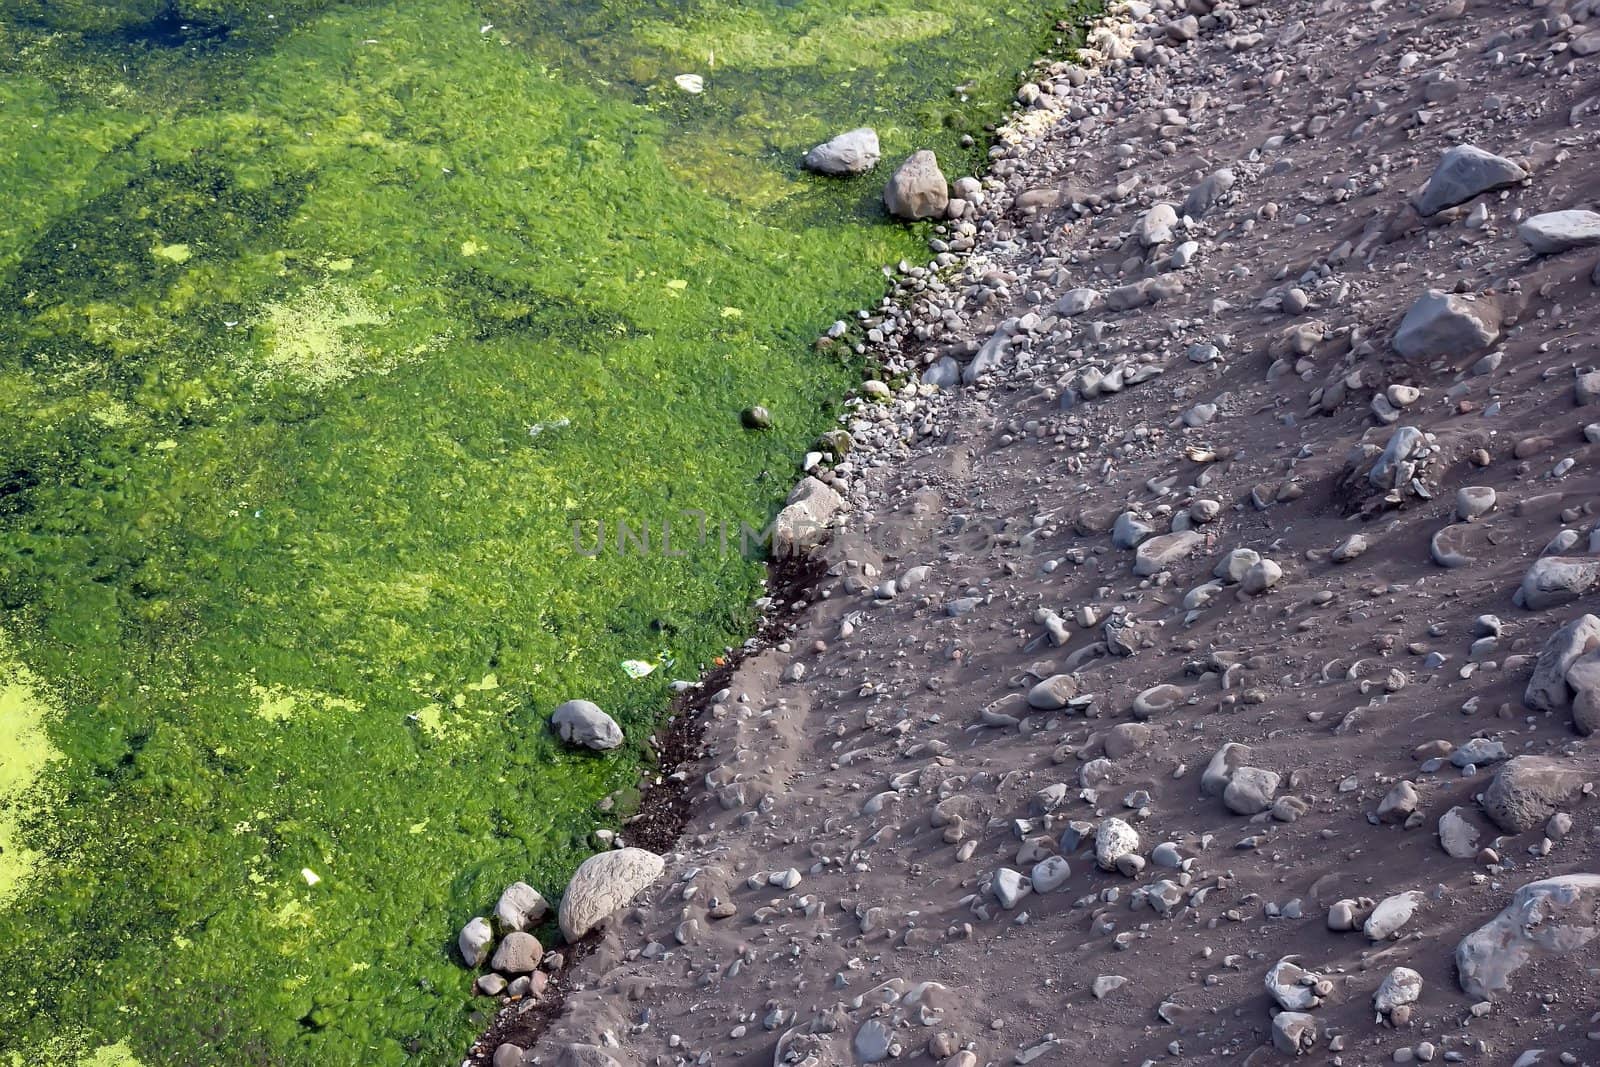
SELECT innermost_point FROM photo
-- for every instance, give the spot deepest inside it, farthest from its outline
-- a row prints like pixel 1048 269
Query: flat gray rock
pixel 1463 173
pixel 852 152
pixel 1445 324
pixel 1560 231
pixel 1159 553
pixel 1545 919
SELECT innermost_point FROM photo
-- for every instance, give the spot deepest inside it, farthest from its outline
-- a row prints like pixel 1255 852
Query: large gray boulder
pixel 1560 231
pixel 1443 324
pixel 852 152
pixel 804 522
pixel 581 722
pixel 602 884
pixel 1548 689
pixel 1463 173
pixel 1528 790
pixel 1553 580
pixel 1548 918
pixel 918 189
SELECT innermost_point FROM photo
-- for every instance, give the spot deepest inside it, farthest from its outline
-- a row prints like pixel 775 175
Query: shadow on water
pixel 169 30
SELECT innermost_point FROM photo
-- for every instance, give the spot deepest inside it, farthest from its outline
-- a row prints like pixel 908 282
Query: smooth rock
pixel 1227 760
pixel 581 722
pixel 474 941
pixel 852 152
pixel 1556 580
pixel 1053 693
pixel 1390 915
pixel 519 953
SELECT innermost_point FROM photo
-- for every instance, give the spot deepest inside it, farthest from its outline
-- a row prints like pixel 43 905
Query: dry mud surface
pixel 869 774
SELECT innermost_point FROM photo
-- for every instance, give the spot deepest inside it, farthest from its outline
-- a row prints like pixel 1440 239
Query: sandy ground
pixel 883 748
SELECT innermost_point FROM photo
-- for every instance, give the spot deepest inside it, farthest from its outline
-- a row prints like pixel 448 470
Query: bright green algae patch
pixel 317 334
pixel 24 751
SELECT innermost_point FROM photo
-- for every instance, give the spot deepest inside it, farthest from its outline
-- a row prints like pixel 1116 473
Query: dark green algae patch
pixel 321 324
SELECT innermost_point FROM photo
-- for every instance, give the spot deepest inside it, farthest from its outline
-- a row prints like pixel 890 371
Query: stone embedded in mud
pixel 1444 324
pixel 852 152
pixel 918 189
pixel 603 883
pixel 1464 172
pixel 1548 918
pixel 581 722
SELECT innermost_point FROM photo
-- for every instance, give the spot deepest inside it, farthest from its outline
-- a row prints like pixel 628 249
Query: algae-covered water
pixel 321 324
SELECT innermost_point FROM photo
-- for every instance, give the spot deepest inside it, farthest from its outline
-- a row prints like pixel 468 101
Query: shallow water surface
pixel 321 324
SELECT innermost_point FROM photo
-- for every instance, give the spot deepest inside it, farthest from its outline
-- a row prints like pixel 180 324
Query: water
pixel 317 334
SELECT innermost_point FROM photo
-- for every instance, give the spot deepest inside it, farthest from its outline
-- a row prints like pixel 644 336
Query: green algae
pixel 25 749
pixel 317 336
